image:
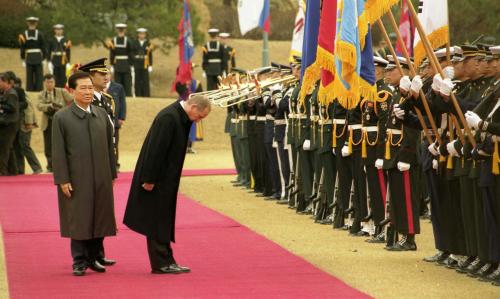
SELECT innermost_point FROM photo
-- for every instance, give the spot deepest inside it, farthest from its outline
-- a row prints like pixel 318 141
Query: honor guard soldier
pixel 59 55
pixel 214 59
pixel 143 62
pixel 33 53
pixel 121 59
pixel 229 52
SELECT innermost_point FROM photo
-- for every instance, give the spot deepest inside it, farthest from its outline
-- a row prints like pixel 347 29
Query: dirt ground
pixel 364 266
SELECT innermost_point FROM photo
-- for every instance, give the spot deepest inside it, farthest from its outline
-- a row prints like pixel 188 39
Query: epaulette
pixel 382 96
pixel 107 95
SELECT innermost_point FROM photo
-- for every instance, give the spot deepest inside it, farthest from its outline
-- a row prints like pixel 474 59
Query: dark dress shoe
pixel 282 202
pixel 181 268
pixel 362 233
pixel 463 268
pixel 171 269
pixel 380 238
pixel 305 212
pixel 79 270
pixel 486 271
pixel 451 263
pixel 474 266
pixel 263 195
pixel 486 268
pixel 106 262
pixel 403 245
pixel 97 267
pixel 494 276
pixel 440 256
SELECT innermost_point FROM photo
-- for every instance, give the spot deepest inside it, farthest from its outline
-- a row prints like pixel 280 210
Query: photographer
pixel 50 100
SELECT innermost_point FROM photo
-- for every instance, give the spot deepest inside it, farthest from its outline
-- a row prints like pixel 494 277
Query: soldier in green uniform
pixel 142 51
pixel 33 53
pixel 59 55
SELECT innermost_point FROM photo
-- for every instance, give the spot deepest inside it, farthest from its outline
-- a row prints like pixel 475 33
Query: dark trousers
pixel 267 184
pixel 117 139
pixel 34 77
pixel 212 82
pixel 8 135
pixel 359 197
pixel 141 82
pixel 244 154
pixel 236 157
pixel 272 168
pixel 284 166
pixel 254 163
pixel 60 75
pixel 125 79
pixel 85 251
pixel 160 254
pixel 404 205
pixel 22 148
pixel 374 178
pixel 47 144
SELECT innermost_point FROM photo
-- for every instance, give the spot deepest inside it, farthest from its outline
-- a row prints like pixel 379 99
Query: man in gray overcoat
pixel 84 170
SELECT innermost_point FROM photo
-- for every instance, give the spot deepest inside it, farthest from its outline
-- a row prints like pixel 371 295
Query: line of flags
pixel 253 14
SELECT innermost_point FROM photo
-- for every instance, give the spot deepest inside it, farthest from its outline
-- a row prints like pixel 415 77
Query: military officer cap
pixel 224 35
pixel 495 51
pixel 98 65
pixel 285 69
pixel 58 26
pixel 441 53
pixel 275 67
pixel 457 55
pixel 141 30
pixel 380 62
pixel 120 26
pixel 469 51
pixel 392 63
pixel 485 49
pixel 32 19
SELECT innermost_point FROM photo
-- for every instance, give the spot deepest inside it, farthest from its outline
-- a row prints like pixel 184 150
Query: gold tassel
pixel 494 161
pixel 363 146
pixel 442 158
pixel 388 147
pixel 349 145
pixel 449 164
pixel 334 135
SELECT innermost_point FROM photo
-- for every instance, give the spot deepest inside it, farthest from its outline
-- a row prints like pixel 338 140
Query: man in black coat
pixel 152 201
pixel 9 121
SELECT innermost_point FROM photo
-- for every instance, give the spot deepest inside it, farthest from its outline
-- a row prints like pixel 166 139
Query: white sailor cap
pixel 58 26
pixel 120 26
pixel 457 54
pixel 392 63
pixel 141 30
pixel 32 19
pixel 224 35
pixel 495 50
pixel 441 53
pixel 213 30
pixel 379 61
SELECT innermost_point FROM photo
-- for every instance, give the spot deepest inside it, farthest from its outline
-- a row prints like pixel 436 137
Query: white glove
pixel 275 144
pixel 379 163
pixel 472 119
pixel 433 150
pixel 68 66
pixel 449 72
pixel 150 69
pixel 416 84
pixel 398 112
pixel 405 83
pixel 451 149
pixel 436 82
pixel 204 75
pixel 345 151
pixel 112 69
pixel 333 151
pixel 307 145
pixel 403 166
pixel 50 67
pixel 132 69
pixel 446 87
pixel 435 164
pixel 24 63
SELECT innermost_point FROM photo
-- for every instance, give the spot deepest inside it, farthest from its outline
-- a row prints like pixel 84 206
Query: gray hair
pixel 201 101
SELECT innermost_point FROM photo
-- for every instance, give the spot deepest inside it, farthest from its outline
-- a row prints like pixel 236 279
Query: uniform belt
pixel 121 57
pixel 214 60
pixel 339 121
pixel 314 117
pixel 325 122
pixel 33 51
pixel 244 117
pixel 394 131
pixel 291 116
pixel 370 129
pixel 252 117
pixel 300 116
pixel 140 56
pixel 280 122
pixel 234 120
pixel 269 117
pixel 261 118
pixel 355 127
pixel 57 53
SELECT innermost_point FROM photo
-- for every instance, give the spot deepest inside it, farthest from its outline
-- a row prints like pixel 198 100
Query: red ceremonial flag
pixel 326 48
pixel 407 29
pixel 186 47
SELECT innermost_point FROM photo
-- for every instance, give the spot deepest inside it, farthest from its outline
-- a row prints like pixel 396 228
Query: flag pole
pixel 398 65
pixel 413 73
pixel 265 48
pixel 438 69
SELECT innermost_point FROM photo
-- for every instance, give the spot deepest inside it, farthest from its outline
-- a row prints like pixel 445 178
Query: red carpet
pixel 227 259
